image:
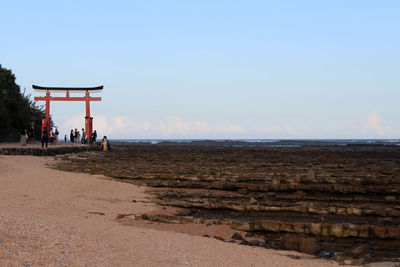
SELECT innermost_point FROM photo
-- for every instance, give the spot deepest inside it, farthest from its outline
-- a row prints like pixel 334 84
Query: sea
pixel 260 142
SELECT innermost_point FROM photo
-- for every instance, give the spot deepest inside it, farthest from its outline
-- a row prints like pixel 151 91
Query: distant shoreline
pixel 258 142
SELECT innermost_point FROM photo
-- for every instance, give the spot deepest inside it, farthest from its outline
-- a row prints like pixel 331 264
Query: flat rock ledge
pixel 340 203
pixel 50 151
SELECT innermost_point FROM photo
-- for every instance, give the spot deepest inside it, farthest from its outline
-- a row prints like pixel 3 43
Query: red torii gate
pixel 46 122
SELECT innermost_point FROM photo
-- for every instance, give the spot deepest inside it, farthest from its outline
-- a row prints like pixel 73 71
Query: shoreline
pixel 54 217
pixel 35 149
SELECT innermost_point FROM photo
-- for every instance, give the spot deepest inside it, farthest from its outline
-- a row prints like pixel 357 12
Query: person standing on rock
pixel 24 137
pixel 105 145
pixel 71 136
pixel 78 137
pixel 83 140
pixel 45 137
pixel 94 136
pixel 51 137
pixel 56 134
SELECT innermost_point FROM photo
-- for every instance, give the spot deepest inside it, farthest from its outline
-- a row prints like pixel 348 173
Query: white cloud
pixel 230 129
pixel 170 127
pixel 268 130
pixel 121 126
pixel 100 124
pixel 146 126
pixel 77 121
pixel 374 126
pixel 290 130
pixel 286 131
pixel 185 127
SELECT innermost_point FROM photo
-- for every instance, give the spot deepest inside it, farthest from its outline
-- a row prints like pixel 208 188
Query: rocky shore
pixel 50 151
pixel 337 202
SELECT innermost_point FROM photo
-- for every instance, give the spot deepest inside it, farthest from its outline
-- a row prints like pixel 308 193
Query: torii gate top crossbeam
pixel 96 89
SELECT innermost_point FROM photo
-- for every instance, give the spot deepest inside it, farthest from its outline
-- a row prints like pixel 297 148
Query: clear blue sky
pixel 214 69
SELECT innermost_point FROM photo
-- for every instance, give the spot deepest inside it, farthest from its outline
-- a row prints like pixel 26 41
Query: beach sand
pixel 49 217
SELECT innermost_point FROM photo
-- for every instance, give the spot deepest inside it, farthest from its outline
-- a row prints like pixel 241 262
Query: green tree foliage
pixel 17 110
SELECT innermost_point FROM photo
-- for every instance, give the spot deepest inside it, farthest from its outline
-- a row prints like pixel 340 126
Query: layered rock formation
pixel 334 199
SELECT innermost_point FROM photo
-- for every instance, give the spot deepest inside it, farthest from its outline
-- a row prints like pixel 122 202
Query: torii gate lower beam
pixel 46 122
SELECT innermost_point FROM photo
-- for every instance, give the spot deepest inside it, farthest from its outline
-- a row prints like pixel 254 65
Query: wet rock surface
pixel 341 203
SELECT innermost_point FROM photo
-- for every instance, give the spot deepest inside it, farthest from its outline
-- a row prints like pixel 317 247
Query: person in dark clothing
pixel 45 137
pixel 94 136
pixel 56 134
pixel 71 136
pixel 83 137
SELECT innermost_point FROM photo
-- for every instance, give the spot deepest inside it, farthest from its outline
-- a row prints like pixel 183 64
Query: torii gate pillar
pixel 46 121
pixel 88 127
pixel 88 119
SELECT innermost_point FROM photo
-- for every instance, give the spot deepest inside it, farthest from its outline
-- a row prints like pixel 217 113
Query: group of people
pixel 53 137
pixel 26 136
pixel 76 137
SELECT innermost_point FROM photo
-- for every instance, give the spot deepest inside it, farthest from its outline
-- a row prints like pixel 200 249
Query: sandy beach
pixel 55 218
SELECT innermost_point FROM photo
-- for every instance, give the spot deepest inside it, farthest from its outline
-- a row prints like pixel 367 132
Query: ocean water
pixel 263 142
